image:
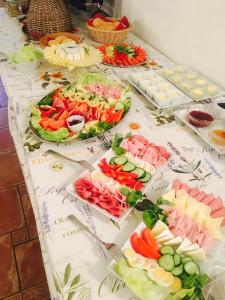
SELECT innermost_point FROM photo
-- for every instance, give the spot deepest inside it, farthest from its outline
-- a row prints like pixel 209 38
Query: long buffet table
pixel 67 250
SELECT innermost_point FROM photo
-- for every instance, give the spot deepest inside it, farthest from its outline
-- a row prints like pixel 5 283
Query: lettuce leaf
pixel 26 54
pixel 139 283
pixel 54 136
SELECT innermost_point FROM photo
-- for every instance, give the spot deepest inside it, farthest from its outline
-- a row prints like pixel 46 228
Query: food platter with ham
pixel 121 176
pixel 173 258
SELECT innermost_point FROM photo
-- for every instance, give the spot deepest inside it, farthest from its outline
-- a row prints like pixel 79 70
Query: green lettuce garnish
pixel 26 54
pixel 138 281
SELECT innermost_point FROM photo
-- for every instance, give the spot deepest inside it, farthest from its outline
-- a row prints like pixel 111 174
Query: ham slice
pixel 100 194
pixel 194 192
pixel 216 204
pixel 176 184
pixel 140 147
pixel 207 199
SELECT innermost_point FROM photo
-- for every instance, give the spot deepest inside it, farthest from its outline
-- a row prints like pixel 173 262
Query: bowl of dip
pixel 220 107
pixel 199 118
pixel 75 123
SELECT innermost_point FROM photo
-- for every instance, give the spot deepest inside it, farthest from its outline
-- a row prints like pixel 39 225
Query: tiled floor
pixel 22 275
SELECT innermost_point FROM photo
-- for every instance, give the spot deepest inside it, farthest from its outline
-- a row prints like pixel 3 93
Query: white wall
pixel 190 32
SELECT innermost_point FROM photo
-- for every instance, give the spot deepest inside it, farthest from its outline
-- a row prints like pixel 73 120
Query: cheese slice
pixel 200 217
pixel 186 242
pixel 182 194
pixel 165 238
pixel 197 254
pixel 170 196
pixel 159 227
pixel 212 227
pixel 192 247
pixel 165 232
pixel 181 203
pixel 175 241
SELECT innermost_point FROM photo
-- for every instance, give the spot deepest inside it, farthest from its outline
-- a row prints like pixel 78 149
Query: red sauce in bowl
pixel 199 118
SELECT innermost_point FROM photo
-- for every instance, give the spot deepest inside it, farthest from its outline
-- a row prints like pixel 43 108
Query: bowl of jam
pixel 220 107
pixel 218 136
pixel 199 118
pixel 75 123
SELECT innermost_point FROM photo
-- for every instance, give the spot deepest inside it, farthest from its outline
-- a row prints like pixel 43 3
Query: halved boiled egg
pixel 167 279
pixel 176 285
pixel 139 263
pixel 130 254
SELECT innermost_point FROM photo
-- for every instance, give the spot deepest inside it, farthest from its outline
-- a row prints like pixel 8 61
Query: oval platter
pixel 101 102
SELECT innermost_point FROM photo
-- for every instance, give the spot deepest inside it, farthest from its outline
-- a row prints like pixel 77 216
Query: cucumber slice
pixel 120 160
pixel 177 259
pixel 112 161
pixel 177 271
pixel 167 250
pixel 119 106
pixel 186 259
pixel 191 268
pixel 147 177
pixel 140 172
pixel 166 262
pixel 129 167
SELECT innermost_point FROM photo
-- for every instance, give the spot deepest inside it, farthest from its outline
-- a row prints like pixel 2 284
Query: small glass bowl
pixel 216 138
pixel 198 122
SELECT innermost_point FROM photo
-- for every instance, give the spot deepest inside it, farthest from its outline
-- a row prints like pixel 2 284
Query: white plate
pixel 203 132
pixel 108 155
pixel 213 257
pixel 181 100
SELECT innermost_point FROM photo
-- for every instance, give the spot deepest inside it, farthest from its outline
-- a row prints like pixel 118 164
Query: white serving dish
pixel 179 99
pixel 27 66
pixel 191 83
pixel 215 258
pixel 203 132
pixel 108 155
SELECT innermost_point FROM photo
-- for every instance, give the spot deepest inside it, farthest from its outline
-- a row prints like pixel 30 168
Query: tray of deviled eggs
pixel 191 83
pixel 158 90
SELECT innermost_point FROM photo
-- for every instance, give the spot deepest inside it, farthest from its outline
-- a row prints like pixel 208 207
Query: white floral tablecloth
pixel 76 265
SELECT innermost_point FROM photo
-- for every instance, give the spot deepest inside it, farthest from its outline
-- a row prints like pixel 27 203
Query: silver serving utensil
pixel 113 249
pixel 82 163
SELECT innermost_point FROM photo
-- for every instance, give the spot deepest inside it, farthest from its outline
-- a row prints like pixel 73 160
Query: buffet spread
pixel 171 245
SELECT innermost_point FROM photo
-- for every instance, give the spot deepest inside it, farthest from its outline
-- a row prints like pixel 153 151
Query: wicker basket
pixel 48 16
pixel 108 36
pixel 44 40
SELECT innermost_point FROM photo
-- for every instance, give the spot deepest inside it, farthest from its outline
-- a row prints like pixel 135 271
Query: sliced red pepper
pixel 142 248
pixel 148 237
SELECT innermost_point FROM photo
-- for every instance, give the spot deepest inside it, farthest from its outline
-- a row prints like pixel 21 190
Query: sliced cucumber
pixel 166 262
pixel 140 172
pixel 119 106
pixel 177 271
pixel 177 259
pixel 120 160
pixel 147 177
pixel 186 259
pixel 191 268
pixel 167 250
pixel 129 167
pixel 112 161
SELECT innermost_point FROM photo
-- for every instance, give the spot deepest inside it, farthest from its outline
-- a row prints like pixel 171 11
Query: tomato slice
pixel 149 238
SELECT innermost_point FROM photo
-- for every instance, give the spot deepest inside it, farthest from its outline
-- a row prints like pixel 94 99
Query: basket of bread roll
pixel 59 38
pixel 108 30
